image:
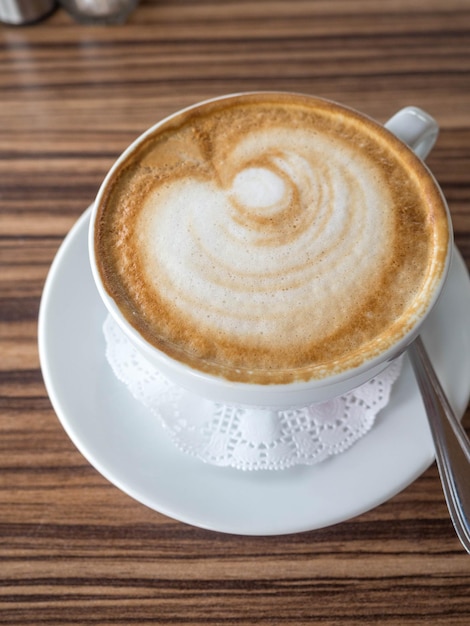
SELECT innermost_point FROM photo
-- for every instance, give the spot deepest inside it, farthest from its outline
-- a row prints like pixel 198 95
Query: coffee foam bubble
pixel 263 250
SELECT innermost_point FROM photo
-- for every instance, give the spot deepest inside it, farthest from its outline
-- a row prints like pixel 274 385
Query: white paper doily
pixel 248 438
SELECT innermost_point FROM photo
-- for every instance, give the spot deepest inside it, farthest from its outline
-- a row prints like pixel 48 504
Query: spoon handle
pixel 450 440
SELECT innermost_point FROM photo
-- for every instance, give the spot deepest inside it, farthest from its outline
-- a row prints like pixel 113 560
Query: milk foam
pixel 283 254
pixel 258 188
pixel 271 239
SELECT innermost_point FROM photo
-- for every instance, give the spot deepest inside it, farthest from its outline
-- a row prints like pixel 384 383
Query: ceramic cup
pixel 413 127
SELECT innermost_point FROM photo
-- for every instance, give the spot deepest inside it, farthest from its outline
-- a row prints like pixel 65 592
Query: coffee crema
pixel 271 238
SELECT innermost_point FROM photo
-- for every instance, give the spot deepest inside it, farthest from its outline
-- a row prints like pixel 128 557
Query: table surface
pixel 73 548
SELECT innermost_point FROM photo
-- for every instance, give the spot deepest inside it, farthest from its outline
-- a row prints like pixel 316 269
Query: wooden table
pixel 73 548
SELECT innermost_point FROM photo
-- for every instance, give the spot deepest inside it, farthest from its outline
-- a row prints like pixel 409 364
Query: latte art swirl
pixel 256 243
pixel 286 251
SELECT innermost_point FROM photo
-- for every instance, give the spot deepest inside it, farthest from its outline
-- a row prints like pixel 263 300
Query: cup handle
pixel 416 128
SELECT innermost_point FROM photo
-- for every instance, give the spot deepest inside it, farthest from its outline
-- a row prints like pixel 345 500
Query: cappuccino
pixel 271 238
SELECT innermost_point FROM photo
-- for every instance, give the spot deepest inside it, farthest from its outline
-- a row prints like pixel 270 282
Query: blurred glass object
pixel 22 12
pixel 99 11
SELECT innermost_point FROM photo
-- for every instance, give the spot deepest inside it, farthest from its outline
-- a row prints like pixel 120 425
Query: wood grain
pixel 73 549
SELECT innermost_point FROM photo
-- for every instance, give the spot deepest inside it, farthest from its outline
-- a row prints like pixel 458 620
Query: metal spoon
pixel 450 440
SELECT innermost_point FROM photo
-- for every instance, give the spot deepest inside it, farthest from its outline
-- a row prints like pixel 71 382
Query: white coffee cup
pixel 413 127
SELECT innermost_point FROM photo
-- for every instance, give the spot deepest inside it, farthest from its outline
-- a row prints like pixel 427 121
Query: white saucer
pixel 129 447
